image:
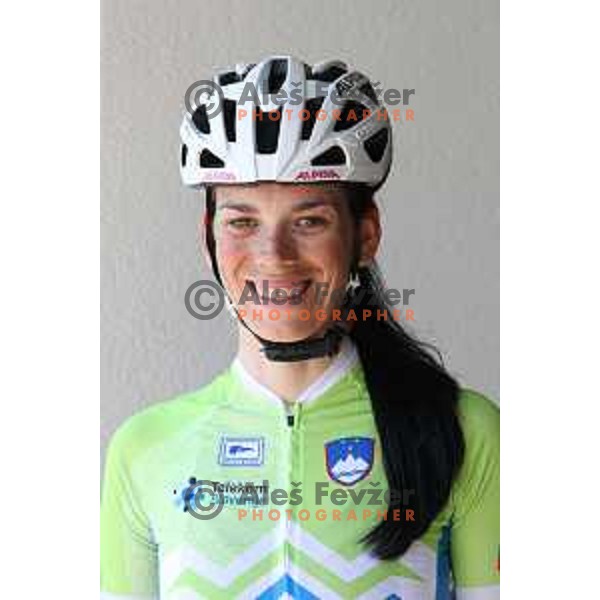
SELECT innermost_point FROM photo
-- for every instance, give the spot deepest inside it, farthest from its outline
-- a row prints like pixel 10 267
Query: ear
pixel 370 235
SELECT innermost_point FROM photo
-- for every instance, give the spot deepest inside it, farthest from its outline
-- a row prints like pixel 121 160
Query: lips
pixel 265 288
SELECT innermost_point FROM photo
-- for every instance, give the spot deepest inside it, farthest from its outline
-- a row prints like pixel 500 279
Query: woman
pixel 336 457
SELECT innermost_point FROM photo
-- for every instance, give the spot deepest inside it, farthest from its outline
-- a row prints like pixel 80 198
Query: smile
pixel 278 291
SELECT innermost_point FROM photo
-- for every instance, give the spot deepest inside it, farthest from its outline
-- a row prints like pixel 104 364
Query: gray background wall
pixel 440 205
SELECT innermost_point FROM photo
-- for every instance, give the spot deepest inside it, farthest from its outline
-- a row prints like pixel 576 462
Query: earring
pixel 353 283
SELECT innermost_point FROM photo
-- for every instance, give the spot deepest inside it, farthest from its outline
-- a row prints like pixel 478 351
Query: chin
pixel 290 331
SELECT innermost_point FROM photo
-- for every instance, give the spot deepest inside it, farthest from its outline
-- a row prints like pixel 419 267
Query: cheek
pixel 228 249
pixel 231 258
pixel 235 248
pixel 331 253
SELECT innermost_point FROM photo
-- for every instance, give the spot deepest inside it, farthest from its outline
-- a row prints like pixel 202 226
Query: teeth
pixel 292 284
pixel 302 284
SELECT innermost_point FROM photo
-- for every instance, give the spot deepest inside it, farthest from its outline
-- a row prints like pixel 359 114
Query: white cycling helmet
pixel 301 124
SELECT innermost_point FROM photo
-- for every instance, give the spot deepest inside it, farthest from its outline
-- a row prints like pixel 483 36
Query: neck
pixel 286 379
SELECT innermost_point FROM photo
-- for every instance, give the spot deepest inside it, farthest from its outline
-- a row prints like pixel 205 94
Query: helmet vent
pixel 267 131
pixel 209 161
pixel 184 151
pixel 229 119
pixel 351 115
pixel 200 119
pixel 312 105
pixel 329 75
pixel 245 69
pixel 230 77
pixel 367 89
pixel 375 145
pixel 277 75
pixel 333 156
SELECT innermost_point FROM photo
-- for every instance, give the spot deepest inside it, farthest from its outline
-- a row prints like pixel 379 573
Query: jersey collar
pixel 342 364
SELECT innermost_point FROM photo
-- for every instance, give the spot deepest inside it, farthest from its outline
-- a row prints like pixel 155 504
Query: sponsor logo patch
pixel 241 451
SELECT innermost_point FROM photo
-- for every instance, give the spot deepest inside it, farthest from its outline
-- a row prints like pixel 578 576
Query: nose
pixel 277 244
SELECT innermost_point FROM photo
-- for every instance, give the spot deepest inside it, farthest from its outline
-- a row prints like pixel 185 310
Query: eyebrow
pixel 238 206
pixel 316 203
pixel 248 208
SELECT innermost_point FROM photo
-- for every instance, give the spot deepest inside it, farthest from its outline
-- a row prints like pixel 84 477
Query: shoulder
pixel 479 416
pixel 480 422
pixel 155 424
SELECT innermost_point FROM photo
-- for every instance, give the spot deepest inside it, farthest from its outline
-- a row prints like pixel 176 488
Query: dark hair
pixel 414 402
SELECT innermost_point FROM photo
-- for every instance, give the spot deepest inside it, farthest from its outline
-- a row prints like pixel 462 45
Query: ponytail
pixel 414 402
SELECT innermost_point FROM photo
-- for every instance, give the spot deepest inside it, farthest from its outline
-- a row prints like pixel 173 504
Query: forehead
pixel 281 195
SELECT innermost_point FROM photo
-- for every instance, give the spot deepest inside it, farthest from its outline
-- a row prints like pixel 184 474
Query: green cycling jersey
pixel 227 493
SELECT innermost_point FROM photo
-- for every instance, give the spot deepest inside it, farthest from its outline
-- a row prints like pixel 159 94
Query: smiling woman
pixel 294 238
pixel 356 405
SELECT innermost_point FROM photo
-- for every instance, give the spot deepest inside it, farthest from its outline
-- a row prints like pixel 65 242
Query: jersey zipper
pixel 292 430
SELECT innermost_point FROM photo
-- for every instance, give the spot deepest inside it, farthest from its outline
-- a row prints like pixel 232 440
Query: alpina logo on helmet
pixel 317 174
pixel 219 175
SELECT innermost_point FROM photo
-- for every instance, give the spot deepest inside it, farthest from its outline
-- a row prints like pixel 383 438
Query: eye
pixel 242 224
pixel 311 222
